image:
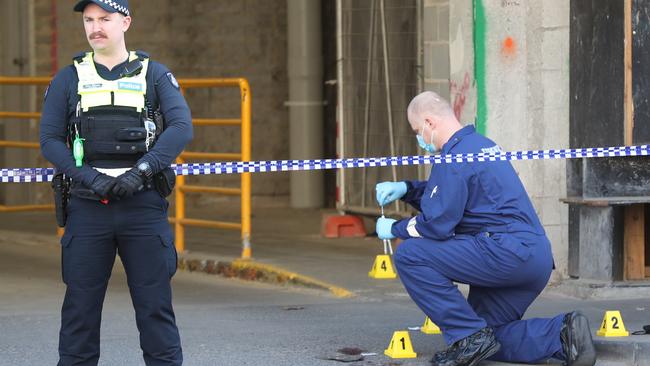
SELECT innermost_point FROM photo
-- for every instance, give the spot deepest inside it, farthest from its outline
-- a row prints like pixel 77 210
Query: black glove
pixel 102 185
pixel 131 181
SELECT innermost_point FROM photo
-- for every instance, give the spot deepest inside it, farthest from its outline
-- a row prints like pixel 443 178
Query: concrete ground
pixel 230 321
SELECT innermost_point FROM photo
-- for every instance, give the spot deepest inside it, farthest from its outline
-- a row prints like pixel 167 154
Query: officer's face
pixel 104 30
pixel 422 127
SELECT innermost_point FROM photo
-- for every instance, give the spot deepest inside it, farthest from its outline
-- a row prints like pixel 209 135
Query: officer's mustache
pixel 97 35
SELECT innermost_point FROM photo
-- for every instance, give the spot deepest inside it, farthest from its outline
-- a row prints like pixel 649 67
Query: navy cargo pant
pixel 137 229
pixel 506 272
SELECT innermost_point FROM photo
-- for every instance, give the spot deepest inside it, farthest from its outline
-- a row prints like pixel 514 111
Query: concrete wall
pixel 527 83
pixel 204 38
pixel 515 86
pixel 449 54
pixel 508 71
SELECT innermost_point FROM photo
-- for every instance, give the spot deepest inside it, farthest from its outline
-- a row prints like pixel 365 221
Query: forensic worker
pixel 126 120
pixel 476 226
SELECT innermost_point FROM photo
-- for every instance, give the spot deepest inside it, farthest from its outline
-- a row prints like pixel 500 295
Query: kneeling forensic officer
pixel 476 226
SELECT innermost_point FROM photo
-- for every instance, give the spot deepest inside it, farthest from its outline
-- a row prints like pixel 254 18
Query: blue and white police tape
pixel 235 167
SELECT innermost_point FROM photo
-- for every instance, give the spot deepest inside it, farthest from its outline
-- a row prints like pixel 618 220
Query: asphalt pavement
pixel 226 321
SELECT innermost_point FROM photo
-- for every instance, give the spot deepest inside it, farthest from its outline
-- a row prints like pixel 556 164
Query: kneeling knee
pixel 403 255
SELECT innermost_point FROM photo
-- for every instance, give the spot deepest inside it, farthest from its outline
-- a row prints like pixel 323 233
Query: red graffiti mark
pixel 509 47
pixel 459 95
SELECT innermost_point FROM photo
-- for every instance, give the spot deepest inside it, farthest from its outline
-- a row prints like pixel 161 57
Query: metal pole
pixel 246 143
pixel 371 50
pixel 389 103
pixel 179 204
pixel 340 173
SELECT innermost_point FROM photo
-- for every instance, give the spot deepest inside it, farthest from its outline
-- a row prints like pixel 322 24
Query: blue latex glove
pixel 383 228
pixel 388 192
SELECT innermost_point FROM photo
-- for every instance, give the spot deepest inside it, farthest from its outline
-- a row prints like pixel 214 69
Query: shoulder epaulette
pixel 142 54
pixel 79 56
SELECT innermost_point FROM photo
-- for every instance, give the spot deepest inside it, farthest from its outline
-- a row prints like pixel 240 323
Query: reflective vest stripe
pixel 95 91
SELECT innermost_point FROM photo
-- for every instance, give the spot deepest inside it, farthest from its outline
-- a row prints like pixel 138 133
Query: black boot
pixel 441 356
pixel 576 340
pixel 468 351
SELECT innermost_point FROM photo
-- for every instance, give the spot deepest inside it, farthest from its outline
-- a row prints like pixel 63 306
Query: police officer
pixel 106 105
pixel 476 226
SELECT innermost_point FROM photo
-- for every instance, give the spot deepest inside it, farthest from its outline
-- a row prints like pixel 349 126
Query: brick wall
pixel 435 27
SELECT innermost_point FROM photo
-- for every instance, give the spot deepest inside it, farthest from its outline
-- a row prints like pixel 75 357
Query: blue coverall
pixel 135 227
pixel 477 226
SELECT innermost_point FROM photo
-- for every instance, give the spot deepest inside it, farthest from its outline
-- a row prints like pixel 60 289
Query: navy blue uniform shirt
pixel 60 105
pixel 468 198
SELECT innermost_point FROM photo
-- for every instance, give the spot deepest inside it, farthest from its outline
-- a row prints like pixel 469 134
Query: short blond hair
pixel 431 104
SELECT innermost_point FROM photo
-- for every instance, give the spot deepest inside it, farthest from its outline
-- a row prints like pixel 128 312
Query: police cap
pixel 111 6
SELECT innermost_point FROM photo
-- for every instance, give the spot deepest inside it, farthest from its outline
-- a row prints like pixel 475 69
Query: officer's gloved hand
pixel 383 228
pixel 128 183
pixel 388 192
pixel 102 185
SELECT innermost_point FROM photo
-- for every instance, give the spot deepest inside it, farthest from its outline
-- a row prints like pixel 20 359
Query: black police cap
pixel 111 6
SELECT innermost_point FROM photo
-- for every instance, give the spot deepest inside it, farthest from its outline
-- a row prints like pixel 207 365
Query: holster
pixel 61 188
pixel 165 181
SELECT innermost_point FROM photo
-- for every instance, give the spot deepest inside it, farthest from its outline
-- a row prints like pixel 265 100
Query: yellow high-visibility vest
pixel 96 91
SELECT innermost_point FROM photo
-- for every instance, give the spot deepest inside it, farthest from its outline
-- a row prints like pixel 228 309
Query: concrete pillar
pixel 600 243
pixel 305 68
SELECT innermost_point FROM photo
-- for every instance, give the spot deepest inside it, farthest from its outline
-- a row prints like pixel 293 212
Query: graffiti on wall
pixel 508 47
pixel 458 94
pixel 506 3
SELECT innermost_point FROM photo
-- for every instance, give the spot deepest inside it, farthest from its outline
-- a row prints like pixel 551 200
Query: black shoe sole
pixel 587 352
pixel 494 348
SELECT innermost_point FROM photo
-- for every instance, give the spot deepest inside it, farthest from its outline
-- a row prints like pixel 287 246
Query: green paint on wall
pixel 480 31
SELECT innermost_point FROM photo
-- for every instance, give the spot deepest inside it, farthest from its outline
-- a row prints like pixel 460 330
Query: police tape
pixel 28 175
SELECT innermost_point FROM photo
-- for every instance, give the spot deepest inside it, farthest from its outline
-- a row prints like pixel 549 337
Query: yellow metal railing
pixel 35 81
pixel 179 221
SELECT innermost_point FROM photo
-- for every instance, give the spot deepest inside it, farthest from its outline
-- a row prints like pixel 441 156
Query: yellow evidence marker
pixel 612 325
pixel 429 327
pixel 400 346
pixel 383 268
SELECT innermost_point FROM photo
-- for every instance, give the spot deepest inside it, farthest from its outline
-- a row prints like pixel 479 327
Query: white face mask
pixel 431 147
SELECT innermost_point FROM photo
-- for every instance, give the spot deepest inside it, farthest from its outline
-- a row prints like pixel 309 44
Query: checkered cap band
pixel 120 8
